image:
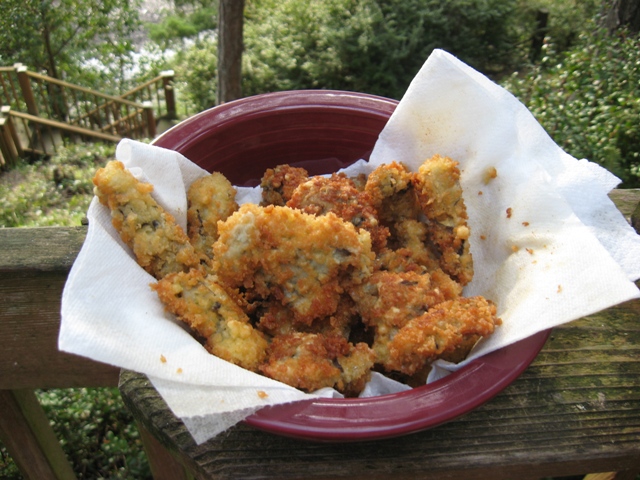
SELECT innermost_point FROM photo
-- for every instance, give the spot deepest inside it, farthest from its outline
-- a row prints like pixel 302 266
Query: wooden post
pixel 27 91
pixel 7 147
pixel 4 148
pixel 5 112
pixel 169 94
pixel 230 22
pixel 9 141
pixel 150 119
pixel 31 442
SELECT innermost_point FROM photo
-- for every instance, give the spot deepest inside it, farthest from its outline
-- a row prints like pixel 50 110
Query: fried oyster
pixel 311 361
pixel 303 261
pixel 158 243
pixel 210 198
pixel 279 183
pixel 208 308
pixel 440 330
pixel 338 194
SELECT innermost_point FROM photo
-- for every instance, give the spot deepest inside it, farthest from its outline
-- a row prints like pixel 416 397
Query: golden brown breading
pixel 390 188
pixel 209 310
pixel 275 319
pixel 210 198
pixel 437 185
pixel 338 194
pixel 442 329
pixel 414 236
pixel 398 260
pixel 311 361
pixel 386 301
pixel 279 183
pixel 159 244
pixel 302 260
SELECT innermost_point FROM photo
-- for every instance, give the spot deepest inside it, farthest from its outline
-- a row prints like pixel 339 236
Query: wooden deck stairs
pixel 40 113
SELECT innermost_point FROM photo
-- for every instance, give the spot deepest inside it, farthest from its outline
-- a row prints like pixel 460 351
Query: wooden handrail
pixel 66 126
pixel 89 91
pixel 76 109
pixel 35 262
pixel 148 83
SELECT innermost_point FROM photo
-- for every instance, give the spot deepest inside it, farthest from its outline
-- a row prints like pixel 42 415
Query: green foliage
pixel 566 20
pixel 96 432
pixel 183 25
pixel 55 191
pixel 370 46
pixel 588 99
pixel 196 71
pixel 87 39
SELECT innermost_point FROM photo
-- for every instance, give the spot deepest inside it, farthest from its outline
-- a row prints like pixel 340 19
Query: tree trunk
pixel 624 13
pixel 230 22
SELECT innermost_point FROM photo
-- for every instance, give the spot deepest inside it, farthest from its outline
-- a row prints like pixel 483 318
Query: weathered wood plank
pixel 626 200
pixel 25 431
pixel 34 264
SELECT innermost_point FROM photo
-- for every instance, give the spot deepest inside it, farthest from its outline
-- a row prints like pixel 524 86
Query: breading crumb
pixel 489 174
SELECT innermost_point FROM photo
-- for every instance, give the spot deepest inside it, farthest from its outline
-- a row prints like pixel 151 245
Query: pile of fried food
pixel 328 279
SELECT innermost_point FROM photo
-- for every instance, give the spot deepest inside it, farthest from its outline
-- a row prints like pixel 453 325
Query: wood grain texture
pixel 25 432
pixel 34 264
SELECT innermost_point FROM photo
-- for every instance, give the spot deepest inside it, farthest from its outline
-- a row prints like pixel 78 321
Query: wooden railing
pixel 36 261
pixel 589 433
pixel 40 113
pixel 159 92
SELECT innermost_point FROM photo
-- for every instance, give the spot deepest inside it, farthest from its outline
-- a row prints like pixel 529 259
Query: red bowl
pixel 323 131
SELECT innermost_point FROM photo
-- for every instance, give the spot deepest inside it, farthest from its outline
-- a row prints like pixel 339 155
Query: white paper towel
pixel 564 252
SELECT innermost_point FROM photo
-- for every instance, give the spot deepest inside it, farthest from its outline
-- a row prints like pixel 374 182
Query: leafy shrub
pixel 360 45
pixel 96 432
pixel 588 99
pixel 368 45
pixel 196 72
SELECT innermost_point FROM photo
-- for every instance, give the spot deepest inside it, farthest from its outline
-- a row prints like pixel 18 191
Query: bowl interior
pixel 320 130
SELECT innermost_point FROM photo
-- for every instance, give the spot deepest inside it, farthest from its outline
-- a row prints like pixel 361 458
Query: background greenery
pixel 583 88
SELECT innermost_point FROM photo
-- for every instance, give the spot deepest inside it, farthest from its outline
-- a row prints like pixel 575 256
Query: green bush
pixel 369 46
pixel 588 99
pixel 96 432
pixel 196 72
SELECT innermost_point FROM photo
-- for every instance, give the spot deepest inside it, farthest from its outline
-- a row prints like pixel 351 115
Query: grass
pixel 96 431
